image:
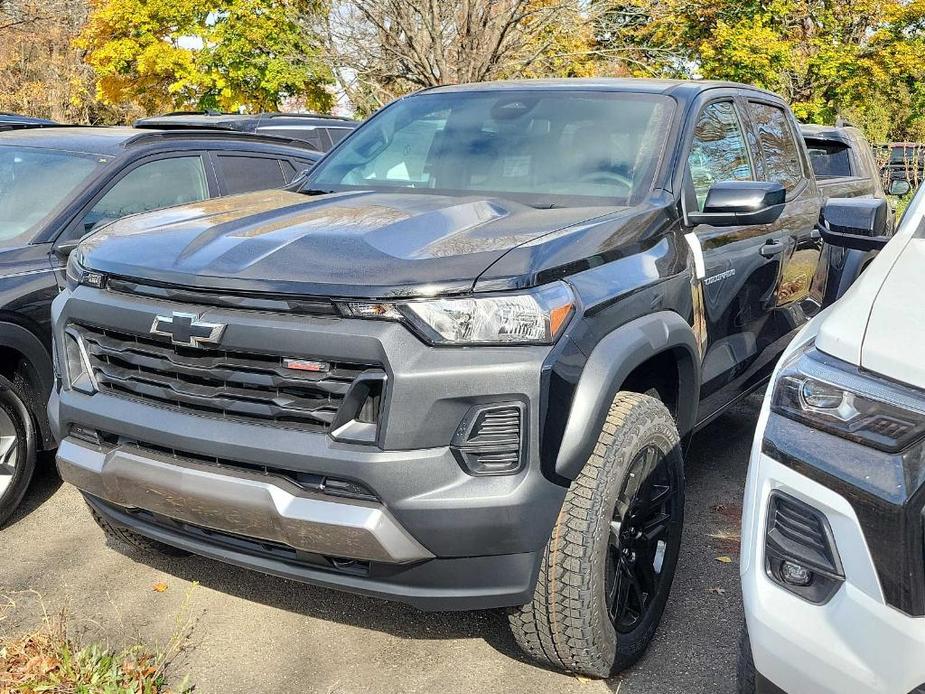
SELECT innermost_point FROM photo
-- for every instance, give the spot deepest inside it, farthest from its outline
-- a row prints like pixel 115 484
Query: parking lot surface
pixel 256 633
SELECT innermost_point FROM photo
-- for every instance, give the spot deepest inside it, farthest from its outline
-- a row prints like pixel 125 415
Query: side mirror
pixel 899 187
pixel 733 203
pixel 858 223
pixel 65 248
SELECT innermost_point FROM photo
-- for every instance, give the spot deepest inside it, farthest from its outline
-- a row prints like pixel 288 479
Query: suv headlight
pixel 534 317
pixel 76 274
pixel 841 399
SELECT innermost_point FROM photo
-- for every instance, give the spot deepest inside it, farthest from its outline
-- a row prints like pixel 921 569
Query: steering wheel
pixel 605 177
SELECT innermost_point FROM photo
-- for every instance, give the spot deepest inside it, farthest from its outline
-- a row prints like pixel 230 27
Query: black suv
pixel 320 132
pixel 456 369
pixel 56 186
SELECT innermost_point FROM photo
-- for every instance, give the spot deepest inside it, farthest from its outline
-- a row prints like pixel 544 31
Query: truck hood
pixel 356 244
pixel 879 323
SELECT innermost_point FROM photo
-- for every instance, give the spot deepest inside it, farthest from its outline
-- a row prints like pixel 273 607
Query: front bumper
pixel 856 642
pixel 435 535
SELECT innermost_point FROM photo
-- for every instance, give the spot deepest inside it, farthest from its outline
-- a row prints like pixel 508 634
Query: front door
pixel 742 265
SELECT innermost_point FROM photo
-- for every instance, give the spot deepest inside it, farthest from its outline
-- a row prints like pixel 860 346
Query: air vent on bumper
pixel 490 439
pixel 800 549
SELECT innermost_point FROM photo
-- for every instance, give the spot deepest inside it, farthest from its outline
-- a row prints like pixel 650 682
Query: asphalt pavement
pixel 255 633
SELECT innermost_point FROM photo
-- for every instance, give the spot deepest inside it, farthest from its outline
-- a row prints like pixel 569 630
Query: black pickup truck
pixel 458 366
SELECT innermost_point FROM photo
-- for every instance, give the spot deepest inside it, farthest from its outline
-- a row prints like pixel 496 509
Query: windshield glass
pixel 552 148
pixel 33 182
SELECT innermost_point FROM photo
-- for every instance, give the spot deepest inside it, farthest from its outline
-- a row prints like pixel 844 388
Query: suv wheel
pixel 17 446
pixel 120 536
pixel 609 563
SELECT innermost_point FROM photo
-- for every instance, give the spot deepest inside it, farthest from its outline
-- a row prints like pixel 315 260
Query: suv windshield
pixel 553 148
pixel 33 182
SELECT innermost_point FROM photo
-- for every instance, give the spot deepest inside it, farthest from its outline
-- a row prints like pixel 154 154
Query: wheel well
pixel 11 362
pixel 659 374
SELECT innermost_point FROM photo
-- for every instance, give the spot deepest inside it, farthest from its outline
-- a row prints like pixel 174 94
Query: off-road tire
pixel 121 537
pixel 14 402
pixel 746 675
pixel 566 626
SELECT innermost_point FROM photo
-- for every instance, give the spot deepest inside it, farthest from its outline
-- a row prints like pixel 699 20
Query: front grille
pixel 218 383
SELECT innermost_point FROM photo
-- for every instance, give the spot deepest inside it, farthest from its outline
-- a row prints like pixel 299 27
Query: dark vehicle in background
pixel 56 186
pixel 14 121
pixel 456 367
pixel 902 166
pixel 845 167
pixel 843 161
pixel 319 131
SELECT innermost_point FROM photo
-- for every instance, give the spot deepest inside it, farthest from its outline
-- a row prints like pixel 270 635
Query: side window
pixel 289 171
pixel 778 145
pixel 313 136
pixel 718 151
pixel 160 183
pixel 337 134
pixel 245 174
pixel 829 159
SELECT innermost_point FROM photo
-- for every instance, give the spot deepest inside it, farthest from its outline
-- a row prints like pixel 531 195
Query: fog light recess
pixel 800 549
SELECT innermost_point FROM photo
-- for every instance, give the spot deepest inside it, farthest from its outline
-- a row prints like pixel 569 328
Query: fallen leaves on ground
pixel 716 590
pixel 159 587
pixel 724 559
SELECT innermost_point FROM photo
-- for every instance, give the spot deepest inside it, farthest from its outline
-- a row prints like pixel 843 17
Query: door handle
pixel 772 248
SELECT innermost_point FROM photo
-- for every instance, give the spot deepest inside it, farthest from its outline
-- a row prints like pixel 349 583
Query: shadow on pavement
pixel 45 482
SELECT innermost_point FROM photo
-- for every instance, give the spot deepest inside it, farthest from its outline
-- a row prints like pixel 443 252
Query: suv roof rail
pixel 217 134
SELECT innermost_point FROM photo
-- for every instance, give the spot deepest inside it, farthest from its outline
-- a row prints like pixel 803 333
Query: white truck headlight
pixel 839 398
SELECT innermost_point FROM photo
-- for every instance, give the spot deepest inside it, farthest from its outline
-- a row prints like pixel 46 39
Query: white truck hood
pixel 879 324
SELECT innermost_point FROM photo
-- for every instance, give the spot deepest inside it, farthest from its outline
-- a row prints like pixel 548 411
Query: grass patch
pixel 50 660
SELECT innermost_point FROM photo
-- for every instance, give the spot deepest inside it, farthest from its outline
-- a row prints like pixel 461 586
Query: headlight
pixel 535 317
pixel 841 399
pixel 76 274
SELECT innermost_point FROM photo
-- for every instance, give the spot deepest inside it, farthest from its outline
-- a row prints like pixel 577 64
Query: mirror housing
pixel 65 248
pixel 733 203
pixel 899 187
pixel 858 223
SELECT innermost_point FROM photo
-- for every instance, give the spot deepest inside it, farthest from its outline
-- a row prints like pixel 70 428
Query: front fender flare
pixel 611 361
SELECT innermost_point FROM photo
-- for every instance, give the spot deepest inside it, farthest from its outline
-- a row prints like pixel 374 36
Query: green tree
pixel 205 54
pixel 858 59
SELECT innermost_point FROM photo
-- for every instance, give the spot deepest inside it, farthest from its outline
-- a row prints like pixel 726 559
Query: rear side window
pixel 245 174
pixel 829 159
pixel 315 137
pixel 337 134
pixel 718 151
pixel 778 144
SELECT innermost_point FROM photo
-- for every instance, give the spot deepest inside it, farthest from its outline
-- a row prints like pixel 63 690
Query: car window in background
pixel 151 186
pixel 829 159
pixel 33 182
pixel 244 174
pixel 546 149
pixel 338 134
pixel 313 136
pixel 718 151
pixel 778 145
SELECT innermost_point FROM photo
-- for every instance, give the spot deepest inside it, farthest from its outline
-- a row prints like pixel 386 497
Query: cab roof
pixel 668 87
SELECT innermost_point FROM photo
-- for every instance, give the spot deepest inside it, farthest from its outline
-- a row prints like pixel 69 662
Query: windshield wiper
pixel 314 191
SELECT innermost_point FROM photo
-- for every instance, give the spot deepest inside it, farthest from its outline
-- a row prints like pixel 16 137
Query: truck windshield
pixel 33 182
pixel 546 149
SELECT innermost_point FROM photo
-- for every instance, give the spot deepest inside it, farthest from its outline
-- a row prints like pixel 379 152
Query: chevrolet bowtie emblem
pixel 186 329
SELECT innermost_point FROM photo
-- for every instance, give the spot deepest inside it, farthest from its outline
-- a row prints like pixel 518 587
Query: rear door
pixel 741 264
pixel 783 160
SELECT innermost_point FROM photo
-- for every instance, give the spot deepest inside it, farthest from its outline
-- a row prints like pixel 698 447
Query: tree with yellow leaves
pixel 205 54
